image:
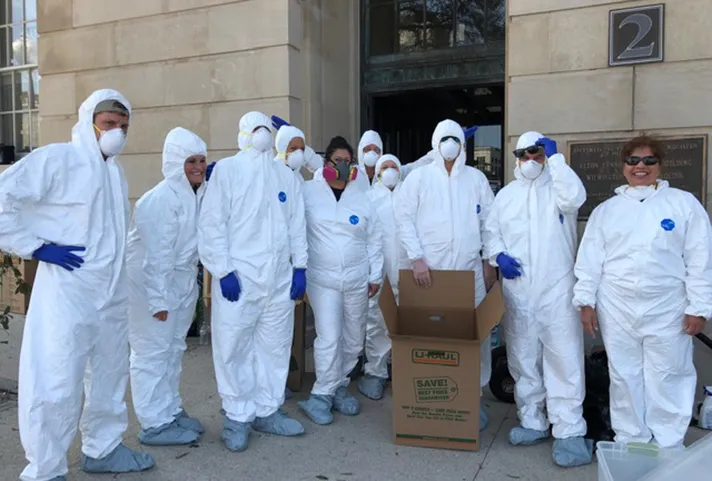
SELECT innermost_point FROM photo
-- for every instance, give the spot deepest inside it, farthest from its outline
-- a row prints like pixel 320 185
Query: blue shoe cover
pixel 484 419
pixel 572 452
pixel 278 423
pixel 120 460
pixel 346 403
pixel 318 408
pixel 372 387
pixel 59 478
pixel 520 436
pixel 171 434
pixel 288 393
pixel 235 435
pixel 187 422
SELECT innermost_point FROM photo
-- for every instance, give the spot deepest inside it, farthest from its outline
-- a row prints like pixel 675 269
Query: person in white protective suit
pixel 439 215
pixel 644 273
pixel 532 239
pixel 293 151
pixel 345 269
pixel 378 343
pixel 252 239
pixel 162 264
pixel 67 206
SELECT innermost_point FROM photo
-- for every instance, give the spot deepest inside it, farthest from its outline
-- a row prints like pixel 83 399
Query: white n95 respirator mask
pixel 390 177
pixel 112 142
pixel 295 160
pixel 530 169
pixel 370 158
pixel 262 140
pixel 450 149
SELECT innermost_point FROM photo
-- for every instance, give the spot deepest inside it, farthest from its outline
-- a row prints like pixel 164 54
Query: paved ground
pixel 351 449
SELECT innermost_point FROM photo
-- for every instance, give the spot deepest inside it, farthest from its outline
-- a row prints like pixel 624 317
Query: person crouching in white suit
pixel 162 264
pixel 67 206
pixel 532 227
pixel 383 197
pixel 345 269
pixel 252 239
pixel 644 271
pixel 440 215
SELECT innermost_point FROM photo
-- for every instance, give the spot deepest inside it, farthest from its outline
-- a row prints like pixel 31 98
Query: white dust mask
pixel 262 140
pixel 530 169
pixel 112 142
pixel 370 158
pixel 295 160
pixel 449 149
pixel 390 177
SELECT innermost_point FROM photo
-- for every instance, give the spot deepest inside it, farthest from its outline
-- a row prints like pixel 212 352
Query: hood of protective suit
pixel 449 128
pixel 83 133
pixel 284 136
pixel 527 140
pixel 379 164
pixel 179 145
pixel 248 123
pixel 369 137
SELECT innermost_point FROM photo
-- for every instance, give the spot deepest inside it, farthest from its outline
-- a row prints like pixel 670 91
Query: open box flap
pixel 490 311
pixel 389 308
pixel 455 289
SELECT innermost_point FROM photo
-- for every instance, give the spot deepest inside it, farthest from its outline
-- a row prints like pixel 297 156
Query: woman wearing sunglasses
pixel 345 270
pixel 644 272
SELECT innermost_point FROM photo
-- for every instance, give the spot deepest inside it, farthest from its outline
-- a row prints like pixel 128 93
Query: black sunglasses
pixel 450 137
pixel 635 160
pixel 532 150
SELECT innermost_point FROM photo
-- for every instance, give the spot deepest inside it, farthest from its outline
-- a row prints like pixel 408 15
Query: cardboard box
pixel 436 336
pixel 18 302
pixel 298 361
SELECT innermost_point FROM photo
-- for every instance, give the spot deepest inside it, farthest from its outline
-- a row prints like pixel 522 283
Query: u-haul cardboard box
pixel 436 334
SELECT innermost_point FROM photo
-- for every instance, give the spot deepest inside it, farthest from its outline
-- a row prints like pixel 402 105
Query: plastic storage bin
pixel 628 462
pixel 692 464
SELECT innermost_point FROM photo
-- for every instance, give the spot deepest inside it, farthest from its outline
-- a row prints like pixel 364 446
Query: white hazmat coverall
pixel 252 224
pixel 378 343
pixel 644 263
pixel 344 257
pixel 534 222
pixel 439 219
pixel 162 264
pixel 77 322
pixel 369 137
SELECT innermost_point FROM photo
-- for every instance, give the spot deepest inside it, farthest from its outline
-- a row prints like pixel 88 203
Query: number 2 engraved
pixel 644 24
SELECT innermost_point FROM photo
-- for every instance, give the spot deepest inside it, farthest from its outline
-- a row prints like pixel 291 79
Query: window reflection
pixel 410 25
pixel 439 17
pixel 432 24
pixel 19 80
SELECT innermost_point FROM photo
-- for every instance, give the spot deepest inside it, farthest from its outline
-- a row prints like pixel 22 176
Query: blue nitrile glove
pixel 470 132
pixel 549 146
pixel 60 255
pixel 508 266
pixel 299 284
pixel 230 287
pixel 209 171
pixel 278 122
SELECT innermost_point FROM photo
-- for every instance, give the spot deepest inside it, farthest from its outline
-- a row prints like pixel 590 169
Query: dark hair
pixel 644 141
pixel 338 143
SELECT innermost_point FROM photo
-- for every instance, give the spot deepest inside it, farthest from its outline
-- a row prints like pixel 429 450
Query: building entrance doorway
pixel 406 121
